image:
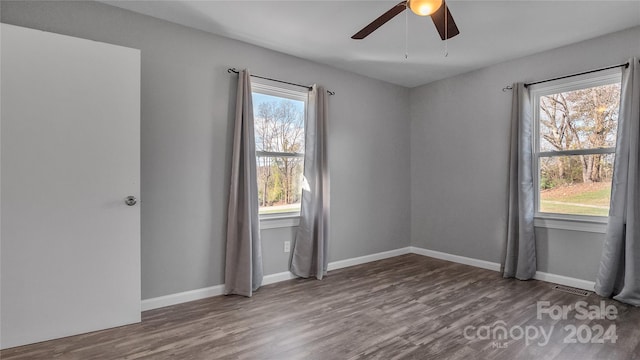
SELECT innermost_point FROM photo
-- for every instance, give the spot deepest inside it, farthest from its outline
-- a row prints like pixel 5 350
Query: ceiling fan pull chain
pixel 446 32
pixel 406 35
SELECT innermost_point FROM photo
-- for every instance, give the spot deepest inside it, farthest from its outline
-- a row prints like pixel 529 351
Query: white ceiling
pixel 490 31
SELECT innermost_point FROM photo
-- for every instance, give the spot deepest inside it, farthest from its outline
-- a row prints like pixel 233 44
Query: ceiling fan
pixel 437 9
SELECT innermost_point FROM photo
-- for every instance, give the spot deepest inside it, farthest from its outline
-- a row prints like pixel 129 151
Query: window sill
pixel 279 221
pixel 592 224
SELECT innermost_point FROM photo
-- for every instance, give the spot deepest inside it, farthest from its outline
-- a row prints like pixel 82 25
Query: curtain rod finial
pixel 508 87
pixel 233 70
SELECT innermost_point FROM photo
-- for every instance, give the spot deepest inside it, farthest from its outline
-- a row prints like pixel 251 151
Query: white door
pixel 70 155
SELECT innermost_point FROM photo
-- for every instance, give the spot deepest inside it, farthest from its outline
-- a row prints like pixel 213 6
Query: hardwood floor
pixel 407 307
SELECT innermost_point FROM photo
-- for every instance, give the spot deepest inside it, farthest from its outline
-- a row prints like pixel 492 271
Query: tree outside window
pixel 576 143
pixel 279 120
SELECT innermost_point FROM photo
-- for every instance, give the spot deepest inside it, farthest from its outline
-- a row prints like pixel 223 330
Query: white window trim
pixel 571 222
pixel 279 220
pixel 585 223
pixel 273 88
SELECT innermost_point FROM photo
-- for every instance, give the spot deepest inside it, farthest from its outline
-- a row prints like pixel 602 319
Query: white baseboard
pixel 178 298
pixel 456 258
pixel 173 299
pixel 274 278
pixel 542 276
pixel 334 265
pixel 565 280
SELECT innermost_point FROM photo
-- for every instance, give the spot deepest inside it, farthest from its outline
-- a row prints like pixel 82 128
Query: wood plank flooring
pixel 407 307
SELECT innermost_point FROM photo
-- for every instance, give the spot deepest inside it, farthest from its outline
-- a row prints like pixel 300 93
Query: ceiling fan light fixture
pixel 424 7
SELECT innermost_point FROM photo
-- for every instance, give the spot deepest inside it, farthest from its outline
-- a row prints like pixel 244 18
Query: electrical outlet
pixel 287 246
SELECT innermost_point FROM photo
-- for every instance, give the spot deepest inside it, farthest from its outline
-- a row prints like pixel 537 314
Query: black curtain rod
pixel 235 71
pixel 626 65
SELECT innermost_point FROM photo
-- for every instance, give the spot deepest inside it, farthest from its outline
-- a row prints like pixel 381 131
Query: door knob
pixel 130 200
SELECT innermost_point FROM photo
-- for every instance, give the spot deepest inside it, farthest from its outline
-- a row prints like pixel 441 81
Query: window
pixel 279 120
pixel 575 126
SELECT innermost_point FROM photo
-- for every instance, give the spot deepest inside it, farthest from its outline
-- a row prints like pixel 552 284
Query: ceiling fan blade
pixel 380 21
pixel 438 21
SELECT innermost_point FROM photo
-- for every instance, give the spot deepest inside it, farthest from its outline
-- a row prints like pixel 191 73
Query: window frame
pixel 585 223
pixel 286 91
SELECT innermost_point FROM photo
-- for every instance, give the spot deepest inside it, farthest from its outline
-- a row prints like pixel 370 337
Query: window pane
pixel 279 127
pixel 579 185
pixel 580 119
pixel 279 184
pixel 278 123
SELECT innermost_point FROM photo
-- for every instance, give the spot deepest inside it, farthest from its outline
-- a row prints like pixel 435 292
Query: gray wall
pixel 457 129
pixel 186 127
pixel 459 156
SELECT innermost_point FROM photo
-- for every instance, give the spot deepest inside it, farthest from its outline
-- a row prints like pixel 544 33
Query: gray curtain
pixel 520 252
pixel 309 254
pixel 619 273
pixel 243 265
